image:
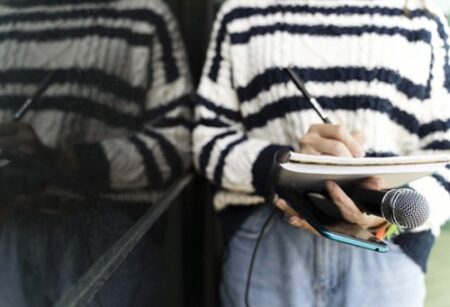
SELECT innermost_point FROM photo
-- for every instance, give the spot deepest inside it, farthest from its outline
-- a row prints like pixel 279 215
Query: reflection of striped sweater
pixel 120 95
pixel 372 69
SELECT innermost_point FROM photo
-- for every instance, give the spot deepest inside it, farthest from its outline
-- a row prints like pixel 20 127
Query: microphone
pixel 405 208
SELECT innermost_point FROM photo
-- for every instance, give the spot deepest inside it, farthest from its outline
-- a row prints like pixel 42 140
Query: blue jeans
pixel 294 268
pixel 43 253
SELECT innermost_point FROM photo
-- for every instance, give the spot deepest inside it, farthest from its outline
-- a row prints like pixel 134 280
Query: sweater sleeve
pixel 157 153
pixel 434 131
pixel 223 151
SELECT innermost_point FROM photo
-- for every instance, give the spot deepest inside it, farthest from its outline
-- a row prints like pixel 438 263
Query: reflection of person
pixel 115 118
pixel 377 67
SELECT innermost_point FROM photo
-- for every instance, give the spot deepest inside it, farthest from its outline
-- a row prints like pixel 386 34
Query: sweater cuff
pixel 417 245
pixel 263 165
pixel 94 166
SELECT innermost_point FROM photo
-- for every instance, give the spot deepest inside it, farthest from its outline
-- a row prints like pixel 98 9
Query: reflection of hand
pixel 332 140
pixel 22 137
pixel 16 180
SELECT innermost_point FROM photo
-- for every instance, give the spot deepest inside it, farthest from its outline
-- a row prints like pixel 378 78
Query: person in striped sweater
pixel 115 121
pixel 381 70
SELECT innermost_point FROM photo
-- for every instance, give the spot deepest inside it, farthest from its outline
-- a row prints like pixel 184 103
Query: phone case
pixel 328 222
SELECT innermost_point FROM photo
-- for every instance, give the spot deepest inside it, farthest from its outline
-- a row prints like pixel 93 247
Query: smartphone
pixel 328 221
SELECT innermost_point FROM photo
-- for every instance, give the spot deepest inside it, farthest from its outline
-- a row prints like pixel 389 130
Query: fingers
pixel 8 142
pixel 350 212
pixel 283 206
pixel 341 134
pixel 373 221
pixel 359 137
pixel 18 139
pixel 345 204
pixel 330 147
pixel 13 135
pixel 294 219
pixel 372 183
pixel 8 129
pixel 309 150
pixel 298 222
pixel 314 144
pixel 334 140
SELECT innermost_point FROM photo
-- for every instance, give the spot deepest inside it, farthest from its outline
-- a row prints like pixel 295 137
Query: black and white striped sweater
pixel 372 68
pixel 120 98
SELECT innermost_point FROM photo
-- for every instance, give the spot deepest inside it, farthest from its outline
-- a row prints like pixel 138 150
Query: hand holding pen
pixel 19 136
pixel 335 140
pixel 34 162
pixel 327 138
pixel 20 151
pixel 16 137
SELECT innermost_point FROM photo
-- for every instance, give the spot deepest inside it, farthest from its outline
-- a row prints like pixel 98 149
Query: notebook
pixel 302 171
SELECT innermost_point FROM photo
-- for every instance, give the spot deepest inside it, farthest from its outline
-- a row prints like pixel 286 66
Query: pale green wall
pixel 445 4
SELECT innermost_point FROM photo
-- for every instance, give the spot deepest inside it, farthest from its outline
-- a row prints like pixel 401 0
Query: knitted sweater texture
pixel 372 68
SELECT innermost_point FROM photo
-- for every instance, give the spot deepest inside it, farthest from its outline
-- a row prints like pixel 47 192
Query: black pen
pixel 311 100
pixel 27 104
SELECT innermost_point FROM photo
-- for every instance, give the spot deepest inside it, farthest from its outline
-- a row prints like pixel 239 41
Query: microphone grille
pixel 405 208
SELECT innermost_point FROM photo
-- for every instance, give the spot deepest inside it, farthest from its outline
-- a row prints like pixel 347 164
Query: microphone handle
pixel 368 201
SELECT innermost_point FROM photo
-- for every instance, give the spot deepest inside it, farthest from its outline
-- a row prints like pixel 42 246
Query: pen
pixel 311 100
pixel 27 104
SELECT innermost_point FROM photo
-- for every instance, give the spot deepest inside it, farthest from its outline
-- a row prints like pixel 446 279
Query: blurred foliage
pixel 438 277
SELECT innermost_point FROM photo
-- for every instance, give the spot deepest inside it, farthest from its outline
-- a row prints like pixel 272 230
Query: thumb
pixel 360 137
